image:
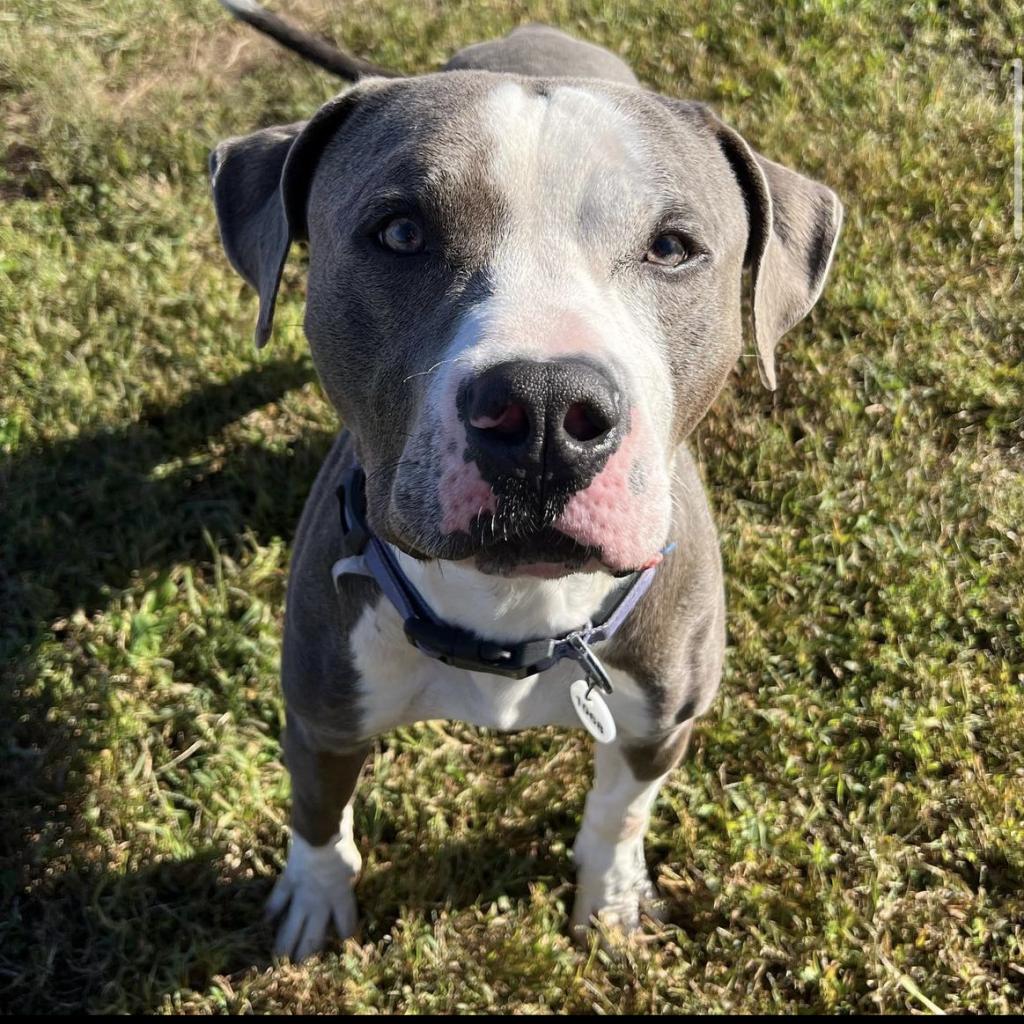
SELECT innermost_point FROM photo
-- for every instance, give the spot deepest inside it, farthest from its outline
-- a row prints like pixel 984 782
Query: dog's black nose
pixel 550 424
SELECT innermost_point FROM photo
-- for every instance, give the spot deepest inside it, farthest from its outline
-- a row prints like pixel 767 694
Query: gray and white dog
pixel 525 285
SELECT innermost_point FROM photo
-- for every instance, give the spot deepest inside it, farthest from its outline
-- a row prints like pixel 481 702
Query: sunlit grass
pixel 847 834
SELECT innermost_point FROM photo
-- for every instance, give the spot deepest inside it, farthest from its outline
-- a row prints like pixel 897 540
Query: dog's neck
pixel 507 609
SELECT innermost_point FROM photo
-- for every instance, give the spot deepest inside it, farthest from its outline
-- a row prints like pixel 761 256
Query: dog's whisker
pixel 430 370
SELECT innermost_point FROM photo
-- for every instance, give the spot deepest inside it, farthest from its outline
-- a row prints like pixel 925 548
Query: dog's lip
pixel 545 546
pixel 515 558
pixel 538 555
pixel 557 569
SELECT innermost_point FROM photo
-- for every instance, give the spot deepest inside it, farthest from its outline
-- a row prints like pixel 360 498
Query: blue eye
pixel 668 250
pixel 402 235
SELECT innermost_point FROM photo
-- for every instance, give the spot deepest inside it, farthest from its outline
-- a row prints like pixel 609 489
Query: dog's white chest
pixel 399 685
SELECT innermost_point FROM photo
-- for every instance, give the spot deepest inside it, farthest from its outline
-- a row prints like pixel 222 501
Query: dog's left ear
pixel 794 224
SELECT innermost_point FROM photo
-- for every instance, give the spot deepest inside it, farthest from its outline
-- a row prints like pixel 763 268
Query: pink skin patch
pixel 463 492
pixel 608 515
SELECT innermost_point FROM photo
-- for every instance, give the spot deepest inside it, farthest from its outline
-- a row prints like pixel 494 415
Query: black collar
pixel 366 554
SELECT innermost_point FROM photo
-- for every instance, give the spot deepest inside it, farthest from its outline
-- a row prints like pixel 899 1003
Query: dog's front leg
pixel 612 881
pixel 323 861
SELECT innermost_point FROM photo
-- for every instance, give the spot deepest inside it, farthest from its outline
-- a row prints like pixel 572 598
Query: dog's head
pixel 523 294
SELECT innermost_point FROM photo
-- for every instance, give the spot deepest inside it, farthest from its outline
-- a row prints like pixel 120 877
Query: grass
pixel 848 834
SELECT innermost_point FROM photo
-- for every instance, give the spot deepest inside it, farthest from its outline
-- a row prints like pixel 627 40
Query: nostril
pixel 510 424
pixel 584 422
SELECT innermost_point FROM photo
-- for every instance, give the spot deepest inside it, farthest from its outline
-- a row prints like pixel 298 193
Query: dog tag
pixel 592 711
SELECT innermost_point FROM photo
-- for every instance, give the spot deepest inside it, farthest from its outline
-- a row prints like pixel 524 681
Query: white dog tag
pixel 592 711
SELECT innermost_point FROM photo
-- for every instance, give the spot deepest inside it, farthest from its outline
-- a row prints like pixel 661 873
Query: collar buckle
pixel 593 669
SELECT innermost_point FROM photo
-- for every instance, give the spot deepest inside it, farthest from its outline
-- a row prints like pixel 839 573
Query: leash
pixel 365 554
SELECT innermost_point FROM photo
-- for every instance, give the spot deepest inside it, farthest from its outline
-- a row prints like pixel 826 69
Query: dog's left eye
pixel 668 250
pixel 402 235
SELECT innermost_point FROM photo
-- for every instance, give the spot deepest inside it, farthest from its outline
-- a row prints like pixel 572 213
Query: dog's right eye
pixel 669 249
pixel 402 235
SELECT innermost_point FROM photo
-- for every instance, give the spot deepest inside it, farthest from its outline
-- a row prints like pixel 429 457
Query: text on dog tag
pixel 592 711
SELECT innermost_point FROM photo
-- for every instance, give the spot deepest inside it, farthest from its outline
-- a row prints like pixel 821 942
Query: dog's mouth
pixel 501 546
pixel 546 553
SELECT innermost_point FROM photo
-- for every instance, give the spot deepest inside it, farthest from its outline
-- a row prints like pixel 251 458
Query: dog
pixel 525 289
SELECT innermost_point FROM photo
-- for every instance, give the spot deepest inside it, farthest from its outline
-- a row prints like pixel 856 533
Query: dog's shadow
pixel 83 517
pixel 100 940
pixel 81 520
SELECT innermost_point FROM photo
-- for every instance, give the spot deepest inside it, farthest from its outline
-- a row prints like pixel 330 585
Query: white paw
pixel 613 890
pixel 316 890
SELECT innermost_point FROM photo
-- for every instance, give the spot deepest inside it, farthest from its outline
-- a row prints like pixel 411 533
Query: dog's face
pixel 520 302
pixel 523 294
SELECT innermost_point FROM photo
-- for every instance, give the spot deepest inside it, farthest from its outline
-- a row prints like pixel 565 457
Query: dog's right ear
pixel 246 176
pixel 793 226
pixel 260 187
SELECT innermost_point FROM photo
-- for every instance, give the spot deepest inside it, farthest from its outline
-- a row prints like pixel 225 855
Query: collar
pixel 366 554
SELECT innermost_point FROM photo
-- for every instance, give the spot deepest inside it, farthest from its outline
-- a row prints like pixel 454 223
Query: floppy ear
pixel 794 225
pixel 245 174
pixel 799 223
pixel 260 187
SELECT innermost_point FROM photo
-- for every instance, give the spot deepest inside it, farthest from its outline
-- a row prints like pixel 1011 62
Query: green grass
pixel 849 831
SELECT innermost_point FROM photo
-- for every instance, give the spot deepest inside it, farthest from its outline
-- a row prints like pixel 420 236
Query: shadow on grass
pixel 99 940
pixel 93 940
pixel 79 521
pixel 83 517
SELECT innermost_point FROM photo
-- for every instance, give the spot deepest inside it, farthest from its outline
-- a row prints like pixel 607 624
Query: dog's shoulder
pixel 674 643
pixel 318 672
